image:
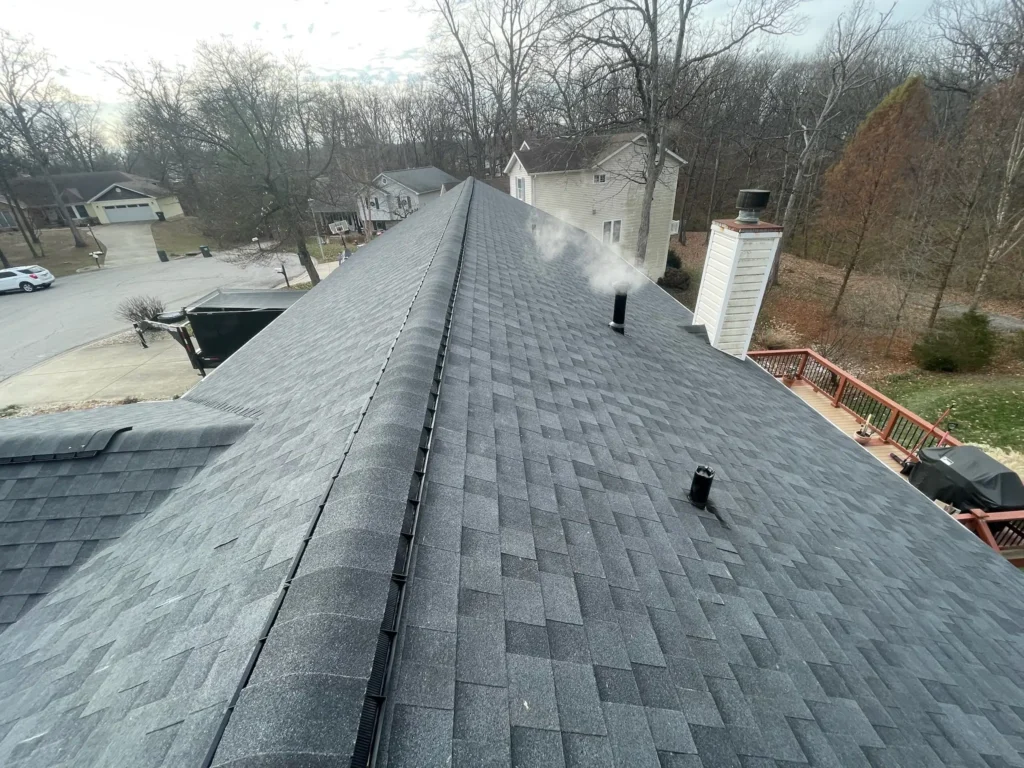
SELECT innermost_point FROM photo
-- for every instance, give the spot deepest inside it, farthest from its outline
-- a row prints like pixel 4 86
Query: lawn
pixel 180 235
pixel 60 255
pixel 331 250
pixel 988 409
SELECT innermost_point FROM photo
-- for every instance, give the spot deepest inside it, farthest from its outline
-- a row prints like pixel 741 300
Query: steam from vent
pixel 606 269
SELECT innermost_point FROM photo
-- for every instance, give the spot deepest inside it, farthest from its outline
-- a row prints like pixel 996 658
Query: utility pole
pixel 316 226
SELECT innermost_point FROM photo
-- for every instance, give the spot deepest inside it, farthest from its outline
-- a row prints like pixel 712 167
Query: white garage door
pixel 129 212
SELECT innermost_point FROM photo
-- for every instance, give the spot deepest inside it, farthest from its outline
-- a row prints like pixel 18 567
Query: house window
pixel 521 188
pixel 612 231
pixel 82 212
pixel 376 203
pixel 600 178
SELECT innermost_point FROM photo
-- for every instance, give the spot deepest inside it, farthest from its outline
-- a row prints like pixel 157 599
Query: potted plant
pixel 789 376
pixel 864 434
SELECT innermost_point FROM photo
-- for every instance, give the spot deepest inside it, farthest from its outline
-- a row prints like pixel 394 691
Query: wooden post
pixel 839 392
pixel 982 529
pixel 803 364
pixel 890 425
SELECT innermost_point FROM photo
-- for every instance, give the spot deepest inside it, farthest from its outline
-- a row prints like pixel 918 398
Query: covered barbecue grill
pixel 967 478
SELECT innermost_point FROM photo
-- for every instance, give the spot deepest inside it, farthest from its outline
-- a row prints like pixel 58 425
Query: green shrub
pixel 673 262
pixel 675 278
pixel 964 343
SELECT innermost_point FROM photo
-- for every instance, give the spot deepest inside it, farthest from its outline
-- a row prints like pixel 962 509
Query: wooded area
pixel 889 151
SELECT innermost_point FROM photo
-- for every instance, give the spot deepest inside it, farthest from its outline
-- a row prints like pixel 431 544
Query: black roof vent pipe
pixel 618 323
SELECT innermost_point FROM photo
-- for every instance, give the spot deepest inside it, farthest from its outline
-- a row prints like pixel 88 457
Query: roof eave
pixel 97 196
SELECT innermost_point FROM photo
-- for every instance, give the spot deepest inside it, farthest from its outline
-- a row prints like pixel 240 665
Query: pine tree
pixel 869 185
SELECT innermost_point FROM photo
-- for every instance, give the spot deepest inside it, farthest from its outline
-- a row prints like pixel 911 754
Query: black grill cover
pixel 967 478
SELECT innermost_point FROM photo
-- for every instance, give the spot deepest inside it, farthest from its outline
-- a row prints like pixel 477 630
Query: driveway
pixel 82 308
pixel 127 243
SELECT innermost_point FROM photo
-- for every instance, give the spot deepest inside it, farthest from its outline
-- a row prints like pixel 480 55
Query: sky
pixel 339 38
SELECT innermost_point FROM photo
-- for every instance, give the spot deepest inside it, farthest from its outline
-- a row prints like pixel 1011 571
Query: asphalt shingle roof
pixel 565 604
pixel 56 513
pixel 80 187
pixel 569 153
pixel 420 180
pixel 134 659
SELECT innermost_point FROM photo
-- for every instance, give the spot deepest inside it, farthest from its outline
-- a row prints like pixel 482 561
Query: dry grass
pixel 16 411
pixel 60 255
pixel 1012 459
pixel 179 236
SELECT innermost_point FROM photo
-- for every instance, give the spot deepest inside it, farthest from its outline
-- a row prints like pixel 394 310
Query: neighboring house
pixel 327 213
pixel 7 215
pixel 596 183
pixel 110 197
pixel 393 195
pixel 436 513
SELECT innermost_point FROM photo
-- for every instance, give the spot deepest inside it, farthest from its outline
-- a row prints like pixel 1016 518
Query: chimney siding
pixel 736 268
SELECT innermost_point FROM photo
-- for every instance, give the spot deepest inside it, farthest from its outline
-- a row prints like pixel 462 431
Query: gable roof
pixel 502 480
pixel 420 180
pixel 556 155
pixel 81 187
pixel 72 483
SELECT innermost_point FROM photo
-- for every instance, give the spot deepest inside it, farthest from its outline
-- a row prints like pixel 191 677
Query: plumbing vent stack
pixel 618 323
pixel 736 269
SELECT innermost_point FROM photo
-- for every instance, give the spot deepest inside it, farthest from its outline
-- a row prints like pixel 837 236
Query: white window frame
pixel 611 231
pixel 600 178
pixel 521 188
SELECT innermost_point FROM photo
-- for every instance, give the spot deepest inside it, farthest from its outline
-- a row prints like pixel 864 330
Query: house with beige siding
pixel 106 197
pixel 596 183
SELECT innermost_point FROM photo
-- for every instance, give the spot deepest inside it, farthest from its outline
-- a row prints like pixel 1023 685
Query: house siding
pixel 99 210
pixel 518 172
pixel 388 195
pixel 170 206
pixel 575 198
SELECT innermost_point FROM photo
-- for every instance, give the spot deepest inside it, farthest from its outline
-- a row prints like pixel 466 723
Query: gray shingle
pixel 531 693
pixel 813 628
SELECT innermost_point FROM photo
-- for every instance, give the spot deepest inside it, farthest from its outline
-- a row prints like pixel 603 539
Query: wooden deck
pixel 838 396
pixel 843 420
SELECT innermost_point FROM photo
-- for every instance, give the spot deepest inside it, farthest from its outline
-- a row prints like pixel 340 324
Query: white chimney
pixel 736 268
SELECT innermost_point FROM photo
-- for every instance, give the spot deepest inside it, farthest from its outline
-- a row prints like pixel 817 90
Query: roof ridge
pixel 386 449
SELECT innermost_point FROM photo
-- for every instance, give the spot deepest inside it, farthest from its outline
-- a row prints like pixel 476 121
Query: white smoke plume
pixel 607 270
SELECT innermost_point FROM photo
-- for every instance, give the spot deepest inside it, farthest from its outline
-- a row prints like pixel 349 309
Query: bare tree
pixel 514 33
pixel 848 48
pixel 27 91
pixel 661 45
pixel 462 75
pixel 1004 215
pixel 269 134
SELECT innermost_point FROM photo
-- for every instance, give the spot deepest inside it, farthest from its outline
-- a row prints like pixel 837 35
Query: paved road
pixel 81 308
pixel 128 243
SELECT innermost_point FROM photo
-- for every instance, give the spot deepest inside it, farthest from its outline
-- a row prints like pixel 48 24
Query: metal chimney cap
pixel 751 202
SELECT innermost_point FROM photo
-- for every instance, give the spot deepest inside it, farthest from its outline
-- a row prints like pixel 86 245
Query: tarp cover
pixel 967 478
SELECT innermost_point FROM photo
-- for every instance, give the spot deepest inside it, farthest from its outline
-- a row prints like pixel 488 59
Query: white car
pixel 25 279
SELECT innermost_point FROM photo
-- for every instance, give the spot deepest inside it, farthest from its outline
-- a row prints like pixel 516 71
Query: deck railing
pixel 896 426
pixel 892 423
